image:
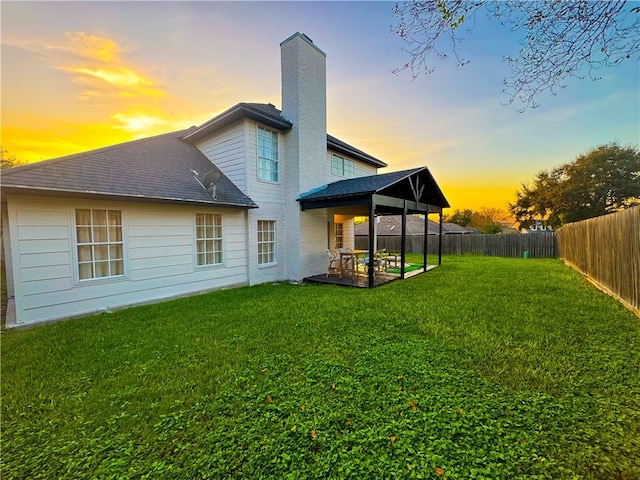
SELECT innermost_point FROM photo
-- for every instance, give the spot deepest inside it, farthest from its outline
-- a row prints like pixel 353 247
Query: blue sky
pixel 79 75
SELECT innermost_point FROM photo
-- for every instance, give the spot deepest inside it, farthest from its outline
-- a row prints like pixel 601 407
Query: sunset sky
pixel 82 75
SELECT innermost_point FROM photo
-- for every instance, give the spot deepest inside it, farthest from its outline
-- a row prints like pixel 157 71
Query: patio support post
pixel 426 236
pixel 440 241
pixel 372 241
pixel 403 248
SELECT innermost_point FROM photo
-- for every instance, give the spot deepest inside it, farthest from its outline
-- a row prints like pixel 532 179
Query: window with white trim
pixel 208 239
pixel 99 243
pixel 342 167
pixel 338 236
pixel 267 155
pixel 266 242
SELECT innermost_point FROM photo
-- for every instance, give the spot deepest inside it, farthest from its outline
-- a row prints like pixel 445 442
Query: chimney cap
pixel 304 37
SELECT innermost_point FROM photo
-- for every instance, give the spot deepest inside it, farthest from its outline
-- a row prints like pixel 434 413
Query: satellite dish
pixel 209 182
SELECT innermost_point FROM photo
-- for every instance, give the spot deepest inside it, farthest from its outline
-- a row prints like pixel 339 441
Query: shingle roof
pixel 455 228
pixel 389 225
pixel 269 115
pixel 341 147
pixel 395 184
pixel 157 168
pixel 264 113
pixel 358 186
pixel 392 225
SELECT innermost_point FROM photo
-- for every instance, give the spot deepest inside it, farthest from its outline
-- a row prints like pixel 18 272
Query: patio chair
pixel 333 265
pixel 380 261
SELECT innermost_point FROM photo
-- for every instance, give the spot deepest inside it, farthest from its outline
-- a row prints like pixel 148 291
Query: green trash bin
pixel 526 254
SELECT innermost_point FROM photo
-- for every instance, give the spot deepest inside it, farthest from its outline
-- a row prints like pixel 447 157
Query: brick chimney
pixel 304 103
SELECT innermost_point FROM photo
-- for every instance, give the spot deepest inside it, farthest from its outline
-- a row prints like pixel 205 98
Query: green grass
pixel 483 368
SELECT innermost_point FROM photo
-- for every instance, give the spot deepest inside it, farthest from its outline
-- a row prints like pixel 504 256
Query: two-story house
pixel 253 195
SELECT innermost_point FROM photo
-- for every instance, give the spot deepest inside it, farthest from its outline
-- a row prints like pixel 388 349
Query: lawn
pixel 483 368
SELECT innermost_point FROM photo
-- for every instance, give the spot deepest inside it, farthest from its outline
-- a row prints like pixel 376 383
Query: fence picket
pixel 607 250
pixel 499 245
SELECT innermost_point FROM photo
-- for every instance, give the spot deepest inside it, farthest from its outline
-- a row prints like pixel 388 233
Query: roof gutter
pixel 54 192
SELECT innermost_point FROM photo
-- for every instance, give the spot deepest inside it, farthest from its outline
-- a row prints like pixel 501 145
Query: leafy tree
pixel 8 161
pixel 485 224
pixel 603 180
pixel 561 38
pixel 460 217
pixel 486 220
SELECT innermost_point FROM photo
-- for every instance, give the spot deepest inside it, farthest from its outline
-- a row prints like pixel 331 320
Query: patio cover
pixel 406 192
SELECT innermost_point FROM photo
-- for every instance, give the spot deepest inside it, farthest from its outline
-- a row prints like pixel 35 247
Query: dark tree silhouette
pixel 8 161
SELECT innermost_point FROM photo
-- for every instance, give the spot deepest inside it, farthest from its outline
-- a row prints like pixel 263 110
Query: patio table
pixel 349 260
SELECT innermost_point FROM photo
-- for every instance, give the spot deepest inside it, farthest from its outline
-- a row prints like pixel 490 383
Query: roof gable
pixel 416 184
pixel 267 114
pixel 264 113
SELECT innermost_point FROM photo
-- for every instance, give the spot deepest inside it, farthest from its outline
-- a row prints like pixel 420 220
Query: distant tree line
pixel 486 220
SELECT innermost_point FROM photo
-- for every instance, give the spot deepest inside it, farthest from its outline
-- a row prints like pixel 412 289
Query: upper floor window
pixel 267 155
pixel 342 167
pixel 209 238
pixel 99 243
pixel 266 242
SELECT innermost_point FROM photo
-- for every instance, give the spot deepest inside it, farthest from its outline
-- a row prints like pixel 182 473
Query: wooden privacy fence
pixel 607 250
pixel 499 245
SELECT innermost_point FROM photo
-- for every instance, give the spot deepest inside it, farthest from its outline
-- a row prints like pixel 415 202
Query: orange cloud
pixel 129 82
pixel 85 46
pixel 97 61
pixel 92 46
pixel 138 123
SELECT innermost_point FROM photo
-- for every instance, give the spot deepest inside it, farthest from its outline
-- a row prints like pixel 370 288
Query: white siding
pixel 227 150
pixel 259 191
pixel 268 273
pixel 361 169
pixel 159 244
pixel 314 242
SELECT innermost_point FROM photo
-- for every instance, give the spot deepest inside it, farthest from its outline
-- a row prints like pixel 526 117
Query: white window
pixel 338 232
pixel 266 242
pixel 99 243
pixel 267 155
pixel 209 238
pixel 342 167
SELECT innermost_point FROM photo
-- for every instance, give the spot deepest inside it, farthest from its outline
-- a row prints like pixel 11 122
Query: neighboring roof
pixel 152 169
pixel 267 114
pixel 389 225
pixel 394 184
pixel 455 228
